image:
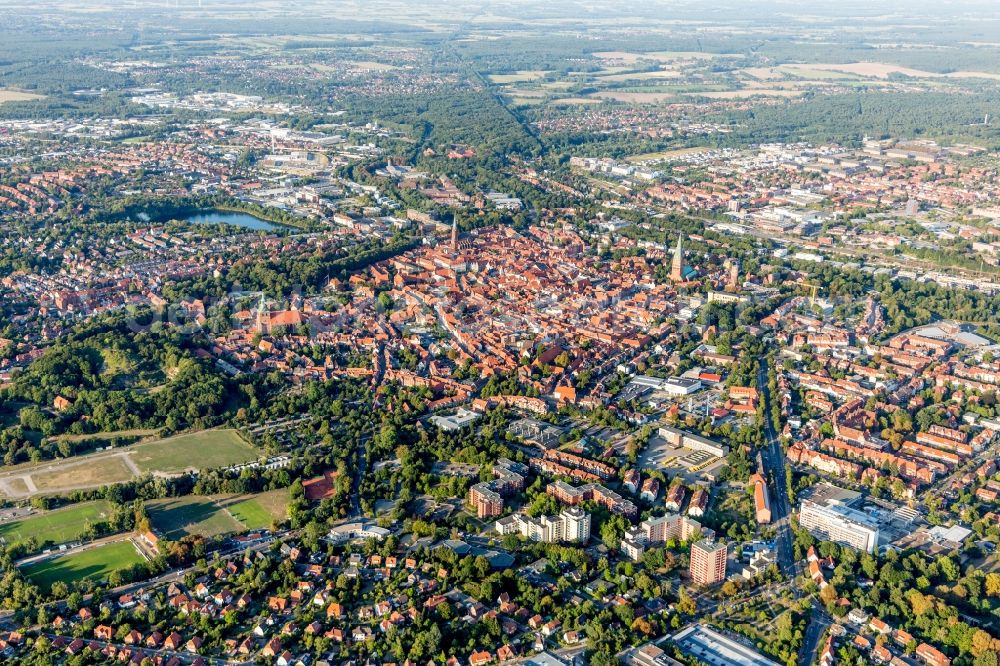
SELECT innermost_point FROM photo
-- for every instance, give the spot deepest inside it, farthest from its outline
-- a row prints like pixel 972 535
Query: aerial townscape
pixel 499 332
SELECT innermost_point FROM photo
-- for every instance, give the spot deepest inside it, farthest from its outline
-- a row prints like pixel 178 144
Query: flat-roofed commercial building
pixel 681 438
pixel 841 524
pixel 712 647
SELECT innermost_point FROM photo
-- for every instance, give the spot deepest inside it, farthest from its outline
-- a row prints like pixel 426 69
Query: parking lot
pixel 661 455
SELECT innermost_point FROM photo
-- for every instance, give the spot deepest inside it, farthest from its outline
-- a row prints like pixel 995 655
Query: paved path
pixel 126 457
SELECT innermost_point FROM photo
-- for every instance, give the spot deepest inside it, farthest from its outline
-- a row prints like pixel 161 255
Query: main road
pixel 819 622
pixel 773 457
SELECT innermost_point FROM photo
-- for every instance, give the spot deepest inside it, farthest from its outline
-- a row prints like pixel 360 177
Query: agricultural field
pixel 90 564
pixel 635 97
pixel 610 79
pixel 641 76
pixel 855 70
pixel 55 527
pixel 199 450
pixel 17 96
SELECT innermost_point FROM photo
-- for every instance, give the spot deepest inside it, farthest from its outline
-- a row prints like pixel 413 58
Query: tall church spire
pixel 454 233
pixel 262 325
pixel 677 267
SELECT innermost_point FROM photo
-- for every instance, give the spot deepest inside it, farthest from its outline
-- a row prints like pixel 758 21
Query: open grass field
pixel 518 77
pixel 54 527
pixel 183 516
pixel 92 564
pixel 199 450
pixel 87 473
pixel 221 514
pixel 251 514
pixel 876 70
pixel 260 511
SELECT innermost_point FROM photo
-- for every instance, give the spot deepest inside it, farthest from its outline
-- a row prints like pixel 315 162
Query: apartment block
pixel 572 524
pixel 574 496
pixel 487 497
pixel 708 562
pixel 657 531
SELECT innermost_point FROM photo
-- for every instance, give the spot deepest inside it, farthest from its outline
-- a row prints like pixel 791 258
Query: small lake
pixel 234 219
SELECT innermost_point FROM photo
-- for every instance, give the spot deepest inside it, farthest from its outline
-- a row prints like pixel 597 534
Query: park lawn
pixel 182 516
pixel 199 450
pixel 93 564
pixel 260 511
pixel 55 527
